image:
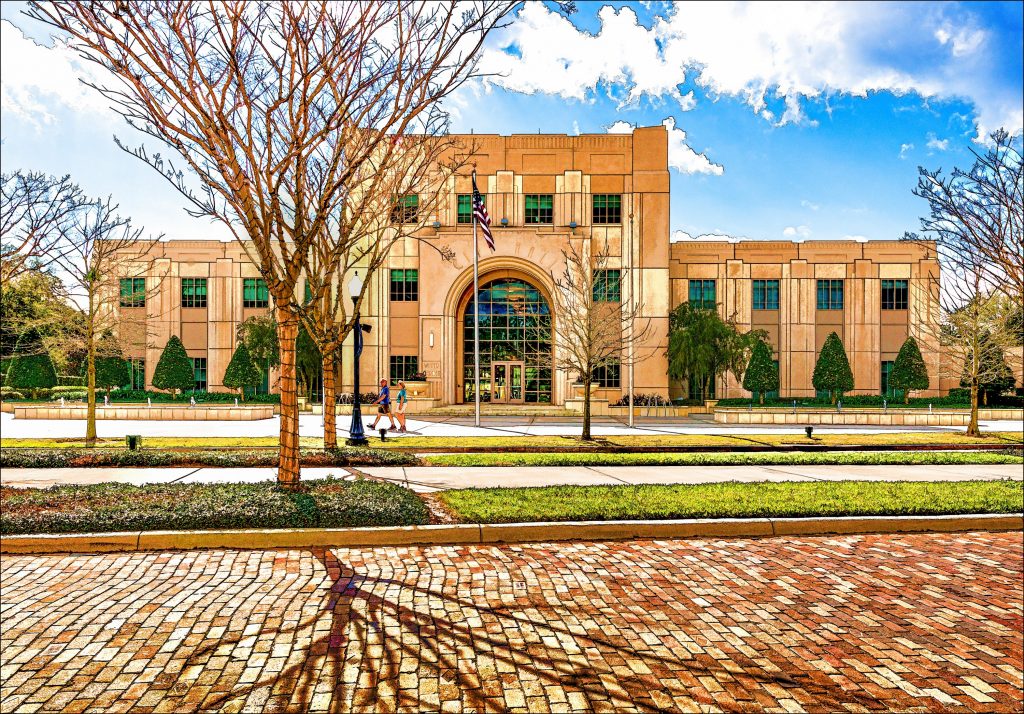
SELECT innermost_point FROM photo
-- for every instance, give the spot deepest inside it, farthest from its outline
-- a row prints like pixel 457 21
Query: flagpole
pixel 476 312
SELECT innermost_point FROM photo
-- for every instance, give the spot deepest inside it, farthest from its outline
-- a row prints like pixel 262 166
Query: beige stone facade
pixel 544 194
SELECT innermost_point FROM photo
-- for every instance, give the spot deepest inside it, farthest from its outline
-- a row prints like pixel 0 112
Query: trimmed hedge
pixel 119 396
pixel 86 458
pixel 954 400
pixel 109 507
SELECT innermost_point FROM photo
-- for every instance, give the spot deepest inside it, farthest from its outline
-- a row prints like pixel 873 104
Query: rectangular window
pixel 255 293
pixel 405 285
pixel 774 394
pixel 199 373
pixel 607 286
pixel 464 213
pixel 702 294
pixel 608 375
pixel 766 294
pixel 695 393
pixel 540 209
pixel 888 391
pixel 403 367
pixel 133 292
pixel 193 292
pixel 136 373
pixel 894 294
pixel 830 294
pixel 406 209
pixel 607 208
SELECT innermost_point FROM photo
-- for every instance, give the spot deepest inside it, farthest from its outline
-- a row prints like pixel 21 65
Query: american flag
pixel 480 213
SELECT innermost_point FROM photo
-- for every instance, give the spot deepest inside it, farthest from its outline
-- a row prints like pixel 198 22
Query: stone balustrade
pixel 859 417
pixel 142 412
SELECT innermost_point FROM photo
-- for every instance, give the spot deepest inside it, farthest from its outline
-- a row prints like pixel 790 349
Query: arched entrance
pixel 516 343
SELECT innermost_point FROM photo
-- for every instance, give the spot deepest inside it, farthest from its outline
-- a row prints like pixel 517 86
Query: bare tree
pixel 375 217
pixel 976 217
pixel 268 105
pixel 33 205
pixel 98 248
pixel 592 318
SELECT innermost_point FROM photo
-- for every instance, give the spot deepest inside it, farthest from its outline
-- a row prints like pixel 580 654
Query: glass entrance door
pixel 507 381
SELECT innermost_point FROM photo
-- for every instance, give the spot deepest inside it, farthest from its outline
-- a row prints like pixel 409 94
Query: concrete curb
pixel 502 533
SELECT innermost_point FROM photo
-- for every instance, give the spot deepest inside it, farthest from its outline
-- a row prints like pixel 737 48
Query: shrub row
pixel 85 458
pixel 72 393
pixel 954 400
pixel 109 507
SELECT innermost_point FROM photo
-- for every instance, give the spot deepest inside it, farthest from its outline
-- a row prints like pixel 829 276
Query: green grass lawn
pixel 722 458
pixel 109 507
pixel 732 500
pixel 568 442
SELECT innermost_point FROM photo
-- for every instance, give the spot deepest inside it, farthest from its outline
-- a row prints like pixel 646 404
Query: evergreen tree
pixel 32 367
pixel 242 372
pixel 832 372
pixel 111 367
pixel 174 370
pixel 909 372
pixel 761 374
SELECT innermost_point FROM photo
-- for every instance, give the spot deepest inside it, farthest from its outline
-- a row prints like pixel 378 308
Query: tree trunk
pixel 330 418
pixel 90 378
pixel 288 469
pixel 586 412
pixel 762 397
pixel 972 427
pixel 835 395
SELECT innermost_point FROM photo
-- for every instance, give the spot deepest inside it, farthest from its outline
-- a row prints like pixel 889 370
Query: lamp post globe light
pixel 356 436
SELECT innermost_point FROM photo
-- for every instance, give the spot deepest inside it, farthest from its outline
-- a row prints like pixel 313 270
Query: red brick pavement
pixel 906 623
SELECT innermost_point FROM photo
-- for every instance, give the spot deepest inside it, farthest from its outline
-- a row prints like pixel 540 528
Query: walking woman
pixel 401 400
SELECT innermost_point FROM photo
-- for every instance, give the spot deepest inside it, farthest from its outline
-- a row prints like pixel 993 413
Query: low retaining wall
pixel 860 417
pixel 600 407
pixel 416 405
pixel 145 413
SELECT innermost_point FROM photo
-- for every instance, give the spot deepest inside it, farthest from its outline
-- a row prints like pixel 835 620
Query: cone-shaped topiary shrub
pixel 31 369
pixel 909 372
pixel 761 374
pixel 832 372
pixel 242 372
pixel 174 370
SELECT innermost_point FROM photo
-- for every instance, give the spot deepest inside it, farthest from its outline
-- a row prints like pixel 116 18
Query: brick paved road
pixel 910 623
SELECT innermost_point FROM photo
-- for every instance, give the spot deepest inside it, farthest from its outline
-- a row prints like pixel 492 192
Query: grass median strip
pixel 87 458
pixel 106 508
pixel 725 459
pixel 732 500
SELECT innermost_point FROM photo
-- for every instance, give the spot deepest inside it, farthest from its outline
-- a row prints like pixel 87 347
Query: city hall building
pixel 546 194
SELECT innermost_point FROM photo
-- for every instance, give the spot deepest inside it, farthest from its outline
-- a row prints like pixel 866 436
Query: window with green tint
pixel 607 208
pixel 136 373
pixel 607 285
pixel 608 375
pixel 406 209
pixel 133 292
pixel 307 293
pixel 830 294
pixel 887 390
pixel 540 208
pixel 774 394
pixel 697 394
pixel 405 285
pixel 199 373
pixel 193 292
pixel 894 294
pixel 402 367
pixel 255 293
pixel 464 212
pixel 702 294
pixel 766 294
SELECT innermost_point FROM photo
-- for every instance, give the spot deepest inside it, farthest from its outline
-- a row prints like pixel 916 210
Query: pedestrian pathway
pixel 424 479
pixel 922 622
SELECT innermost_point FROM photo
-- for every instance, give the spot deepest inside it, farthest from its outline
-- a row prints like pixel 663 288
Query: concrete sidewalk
pixel 428 479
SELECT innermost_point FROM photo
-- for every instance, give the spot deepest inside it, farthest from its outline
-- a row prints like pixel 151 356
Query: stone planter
pixel 578 389
pixel 417 389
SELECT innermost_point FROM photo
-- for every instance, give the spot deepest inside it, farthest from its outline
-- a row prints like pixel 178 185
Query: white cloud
pixel 904 148
pixel 810 205
pixel 575 128
pixel 715 235
pixel 936 144
pixel 681 156
pixel 38 82
pixel 763 53
pixel 796 232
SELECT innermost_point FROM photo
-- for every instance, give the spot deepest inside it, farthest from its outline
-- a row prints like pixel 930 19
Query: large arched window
pixel 515 327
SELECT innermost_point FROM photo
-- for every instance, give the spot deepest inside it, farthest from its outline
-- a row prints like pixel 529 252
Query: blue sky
pixel 787 121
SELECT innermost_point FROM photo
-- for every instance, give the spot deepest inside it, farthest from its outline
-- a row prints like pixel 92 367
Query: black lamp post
pixel 356 436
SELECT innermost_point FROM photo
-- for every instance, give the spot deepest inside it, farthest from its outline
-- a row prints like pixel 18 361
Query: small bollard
pixel 236 401
pixel 794 406
pixel 885 405
pixel 929 408
pixel 106 400
pixel 191 402
pixel 62 401
pixel 383 434
pixel 149 402
pixel 839 406
pixel 750 407
pixel 810 431
pixel 133 441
